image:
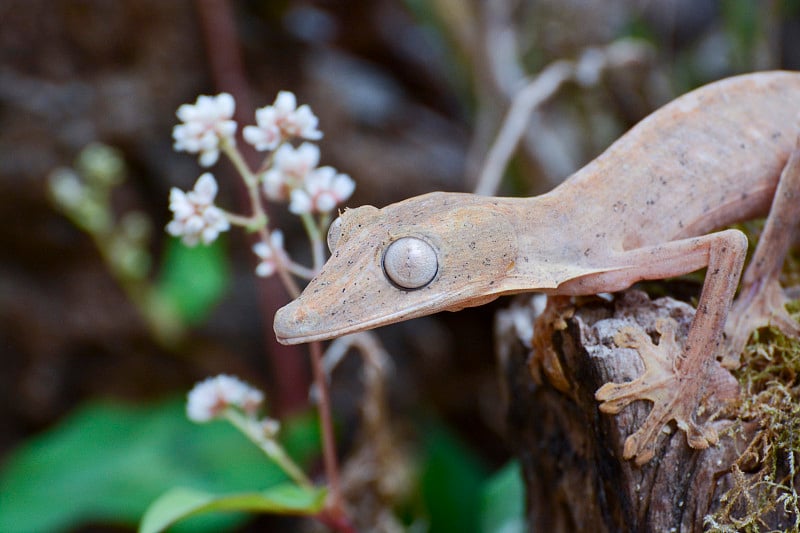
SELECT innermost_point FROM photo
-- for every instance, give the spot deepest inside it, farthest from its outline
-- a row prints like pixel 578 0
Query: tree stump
pixel 571 453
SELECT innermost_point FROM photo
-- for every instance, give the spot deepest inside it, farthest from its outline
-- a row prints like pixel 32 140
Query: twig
pixel 366 342
pixel 378 447
pixel 525 102
pixel 497 72
pixel 586 71
pixel 377 364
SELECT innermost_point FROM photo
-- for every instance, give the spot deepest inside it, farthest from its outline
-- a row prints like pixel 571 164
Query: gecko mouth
pixel 302 338
pixel 296 324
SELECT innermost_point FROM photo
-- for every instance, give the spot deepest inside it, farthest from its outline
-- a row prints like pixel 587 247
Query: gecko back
pixel 709 158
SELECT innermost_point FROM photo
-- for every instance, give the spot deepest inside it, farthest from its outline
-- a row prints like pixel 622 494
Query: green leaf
pixel 452 477
pixel 180 503
pixel 107 463
pixel 301 436
pixel 503 502
pixel 193 279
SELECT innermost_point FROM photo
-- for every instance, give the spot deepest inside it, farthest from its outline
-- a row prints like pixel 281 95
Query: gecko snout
pixel 295 323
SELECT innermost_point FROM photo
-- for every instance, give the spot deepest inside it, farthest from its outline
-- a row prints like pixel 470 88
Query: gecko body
pixel 646 208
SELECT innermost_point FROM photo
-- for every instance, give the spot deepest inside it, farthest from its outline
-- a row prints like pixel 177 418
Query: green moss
pixel 765 476
pixel 770 397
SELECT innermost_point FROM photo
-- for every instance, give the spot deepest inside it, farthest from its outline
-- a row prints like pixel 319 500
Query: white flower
pixel 281 121
pixel 265 136
pixel 270 428
pixel 269 254
pixel 209 399
pixel 290 169
pixel 196 218
pixel 322 190
pixel 204 124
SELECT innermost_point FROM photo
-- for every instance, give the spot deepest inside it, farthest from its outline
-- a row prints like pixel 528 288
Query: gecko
pixel 654 205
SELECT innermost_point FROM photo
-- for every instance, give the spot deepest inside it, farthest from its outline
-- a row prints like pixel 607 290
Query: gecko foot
pixel 674 396
pixel 755 308
pixel 544 362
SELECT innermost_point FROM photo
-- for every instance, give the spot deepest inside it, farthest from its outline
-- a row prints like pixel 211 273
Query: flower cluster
pixel 292 173
pixel 282 121
pixel 196 218
pixel 289 170
pixel 234 400
pixel 295 176
pixel 210 398
pixel 322 189
pixel 205 124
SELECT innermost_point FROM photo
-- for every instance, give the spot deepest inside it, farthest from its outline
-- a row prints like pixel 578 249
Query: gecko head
pixel 439 251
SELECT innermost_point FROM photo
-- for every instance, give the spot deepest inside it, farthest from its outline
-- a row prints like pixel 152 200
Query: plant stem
pixel 270 447
pixel 251 181
pixel 320 378
pixel 299 270
pixel 336 520
pixel 248 223
pixel 161 319
pixel 336 502
pixel 315 236
pixel 238 161
pixel 326 426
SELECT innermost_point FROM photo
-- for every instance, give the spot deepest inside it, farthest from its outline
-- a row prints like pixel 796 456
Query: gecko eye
pixel 334 232
pixel 410 263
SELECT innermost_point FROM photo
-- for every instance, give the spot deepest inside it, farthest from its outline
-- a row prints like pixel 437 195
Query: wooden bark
pixel 571 453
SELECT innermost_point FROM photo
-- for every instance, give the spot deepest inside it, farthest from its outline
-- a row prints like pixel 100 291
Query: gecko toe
pixel 674 395
pixel 698 437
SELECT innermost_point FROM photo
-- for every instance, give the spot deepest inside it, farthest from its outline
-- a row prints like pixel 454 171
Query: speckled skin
pixel 641 210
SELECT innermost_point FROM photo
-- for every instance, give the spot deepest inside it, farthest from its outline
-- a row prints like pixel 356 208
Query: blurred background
pixel 410 94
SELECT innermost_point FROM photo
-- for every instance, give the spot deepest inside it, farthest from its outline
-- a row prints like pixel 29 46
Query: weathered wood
pixel 571 453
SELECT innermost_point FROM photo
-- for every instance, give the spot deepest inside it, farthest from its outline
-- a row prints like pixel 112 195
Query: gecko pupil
pixel 410 263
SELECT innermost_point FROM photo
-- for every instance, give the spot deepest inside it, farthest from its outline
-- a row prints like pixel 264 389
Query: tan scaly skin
pixel 645 209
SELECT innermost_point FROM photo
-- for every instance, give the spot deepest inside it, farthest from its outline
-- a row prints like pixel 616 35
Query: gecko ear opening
pixel 410 263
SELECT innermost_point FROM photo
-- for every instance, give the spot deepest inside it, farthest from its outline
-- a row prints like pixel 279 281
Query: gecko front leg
pixel 761 301
pixel 657 385
pixel 676 380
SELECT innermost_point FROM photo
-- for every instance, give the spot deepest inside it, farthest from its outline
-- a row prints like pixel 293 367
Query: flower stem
pixel 326 426
pixel 271 447
pixel 284 268
pixel 248 223
pixel 315 236
pixel 161 318
pixel 238 161
pixel 251 181
pixel 299 270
